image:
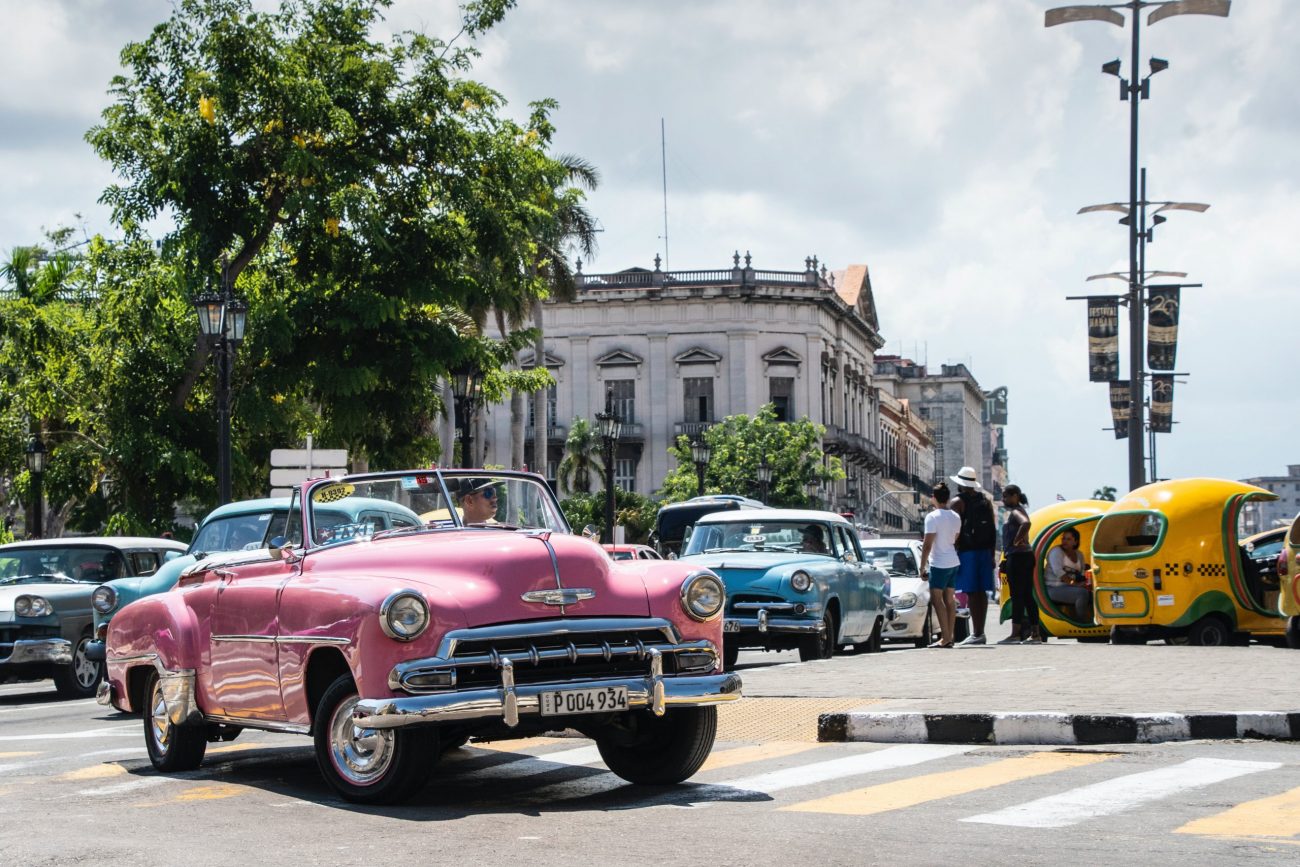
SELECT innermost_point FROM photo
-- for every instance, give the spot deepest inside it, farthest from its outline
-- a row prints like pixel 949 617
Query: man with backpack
pixel 976 542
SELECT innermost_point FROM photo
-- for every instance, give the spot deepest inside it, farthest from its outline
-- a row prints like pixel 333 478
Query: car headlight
pixel 904 600
pixel 32 606
pixel 801 581
pixel 703 595
pixel 104 599
pixel 404 615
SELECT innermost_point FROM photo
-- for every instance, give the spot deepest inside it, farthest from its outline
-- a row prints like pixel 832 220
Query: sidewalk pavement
pixel 1058 692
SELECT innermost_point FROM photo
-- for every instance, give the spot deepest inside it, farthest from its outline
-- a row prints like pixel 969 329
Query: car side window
pixel 144 562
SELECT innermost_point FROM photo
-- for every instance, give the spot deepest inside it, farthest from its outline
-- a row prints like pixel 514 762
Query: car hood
pixel 741 569
pixel 56 593
pixel 488 572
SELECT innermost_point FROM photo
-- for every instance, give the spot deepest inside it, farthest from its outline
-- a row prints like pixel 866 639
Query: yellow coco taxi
pixel 1288 569
pixel 1048 525
pixel 1168 563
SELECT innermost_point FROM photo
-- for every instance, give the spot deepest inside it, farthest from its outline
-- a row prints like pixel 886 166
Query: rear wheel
pixel 876 643
pixel 172 746
pixel 820 645
pixel 1210 631
pixel 1293 633
pixel 82 677
pixel 369 766
pixel 1127 635
pixel 659 751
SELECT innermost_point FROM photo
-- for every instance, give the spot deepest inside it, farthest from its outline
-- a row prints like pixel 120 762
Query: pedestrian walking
pixel 976 543
pixel 1019 558
pixel 939 563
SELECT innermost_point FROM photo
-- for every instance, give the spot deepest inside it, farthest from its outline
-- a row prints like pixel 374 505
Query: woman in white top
pixel 939 563
pixel 1066 583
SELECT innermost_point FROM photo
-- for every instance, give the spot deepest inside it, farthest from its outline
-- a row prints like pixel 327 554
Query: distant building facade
pixel 1258 516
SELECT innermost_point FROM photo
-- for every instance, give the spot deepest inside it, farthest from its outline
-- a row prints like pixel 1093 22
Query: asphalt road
pixel 77 788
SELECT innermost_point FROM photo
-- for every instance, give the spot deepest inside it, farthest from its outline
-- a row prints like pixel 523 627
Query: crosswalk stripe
pixel 1120 794
pixel 946 784
pixel 1278 816
pixel 867 763
pixel 111 732
pixel 720 759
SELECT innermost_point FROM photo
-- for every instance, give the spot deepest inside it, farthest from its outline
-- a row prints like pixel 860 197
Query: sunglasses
pixel 490 493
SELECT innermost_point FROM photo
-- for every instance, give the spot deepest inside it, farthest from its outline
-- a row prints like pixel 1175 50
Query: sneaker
pixel 939 643
pixel 1011 639
pixel 1030 640
pixel 972 640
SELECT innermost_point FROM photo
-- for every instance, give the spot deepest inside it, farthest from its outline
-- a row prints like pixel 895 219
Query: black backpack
pixel 979 530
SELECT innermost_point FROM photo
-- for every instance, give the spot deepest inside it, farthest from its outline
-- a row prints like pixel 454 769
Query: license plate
pixel 731 626
pixel 570 701
pixel 1117 600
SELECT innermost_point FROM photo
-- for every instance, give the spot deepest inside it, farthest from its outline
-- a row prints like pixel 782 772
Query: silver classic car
pixel 45 617
pixel 795 578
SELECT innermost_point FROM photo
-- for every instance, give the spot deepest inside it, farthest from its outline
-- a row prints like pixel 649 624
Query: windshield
pixel 891 559
pixel 1129 535
pixel 61 563
pixel 359 507
pixel 810 537
pixel 239 532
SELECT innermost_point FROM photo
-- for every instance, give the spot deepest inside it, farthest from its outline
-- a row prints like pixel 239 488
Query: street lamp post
pixel 1134 92
pixel 610 428
pixel 36 466
pixel 222 317
pixel 701 454
pixel 810 488
pixel 764 478
pixel 466 387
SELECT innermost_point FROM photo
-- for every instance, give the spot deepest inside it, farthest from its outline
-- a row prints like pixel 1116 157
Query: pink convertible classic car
pixel 390 646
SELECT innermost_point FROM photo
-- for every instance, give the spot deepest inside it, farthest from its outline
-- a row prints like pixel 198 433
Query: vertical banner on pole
pixel 1162 402
pixel 1119 407
pixel 1103 339
pixel 1162 327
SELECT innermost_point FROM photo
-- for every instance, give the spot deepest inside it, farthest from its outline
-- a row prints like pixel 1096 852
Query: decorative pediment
pixel 619 358
pixel 526 360
pixel 698 355
pixel 783 355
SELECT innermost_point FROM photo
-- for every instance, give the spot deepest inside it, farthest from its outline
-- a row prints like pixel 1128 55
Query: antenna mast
pixel 663 162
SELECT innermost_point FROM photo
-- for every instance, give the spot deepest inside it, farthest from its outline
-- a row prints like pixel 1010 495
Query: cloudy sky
pixel 946 144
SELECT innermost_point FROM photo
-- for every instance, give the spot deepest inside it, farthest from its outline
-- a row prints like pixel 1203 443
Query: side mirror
pixel 590 531
pixel 281 549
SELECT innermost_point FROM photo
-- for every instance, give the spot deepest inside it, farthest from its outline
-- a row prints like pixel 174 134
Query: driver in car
pixel 477 499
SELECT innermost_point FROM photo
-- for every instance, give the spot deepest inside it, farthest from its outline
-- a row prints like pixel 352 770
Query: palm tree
pixel 573 228
pixel 1106 492
pixel 581 459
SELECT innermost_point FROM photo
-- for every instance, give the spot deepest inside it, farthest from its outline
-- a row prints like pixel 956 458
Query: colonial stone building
pixel 1258 516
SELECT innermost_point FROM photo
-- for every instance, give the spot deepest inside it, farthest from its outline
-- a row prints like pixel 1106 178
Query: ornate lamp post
pixel 701 454
pixel 810 488
pixel 222 318
pixel 764 478
pixel 466 388
pixel 36 465
pixel 610 427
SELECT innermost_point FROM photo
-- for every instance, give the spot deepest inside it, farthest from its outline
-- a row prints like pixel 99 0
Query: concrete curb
pixel 1055 728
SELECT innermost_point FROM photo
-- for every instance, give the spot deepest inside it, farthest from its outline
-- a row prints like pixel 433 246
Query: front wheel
pixel 82 677
pixel 172 746
pixel 820 645
pixel 659 751
pixel 875 643
pixel 369 766
pixel 927 631
pixel 1210 631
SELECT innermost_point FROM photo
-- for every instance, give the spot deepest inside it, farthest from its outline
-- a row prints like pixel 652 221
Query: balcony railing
pixel 691 428
pixel 554 432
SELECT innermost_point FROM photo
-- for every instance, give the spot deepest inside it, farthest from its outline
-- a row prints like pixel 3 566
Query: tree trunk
pixel 541 420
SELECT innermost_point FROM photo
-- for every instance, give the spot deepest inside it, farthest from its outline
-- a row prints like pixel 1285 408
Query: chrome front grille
pixel 553 651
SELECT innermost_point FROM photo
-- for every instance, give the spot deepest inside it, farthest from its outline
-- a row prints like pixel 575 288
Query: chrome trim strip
pixel 681 691
pixel 265 725
pixel 509 700
pixel 552 628
pixel 777 624
pixel 545 539
pixel 762 620
pixel 562 597
pixel 770 606
pixel 284 639
pixel 40 651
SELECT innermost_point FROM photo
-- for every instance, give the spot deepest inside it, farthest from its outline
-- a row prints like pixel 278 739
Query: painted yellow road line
pixel 947 784
pixel 19 755
pixel 744 755
pixel 520 745
pixel 214 792
pixel 1278 816
pixel 239 748
pixel 95 772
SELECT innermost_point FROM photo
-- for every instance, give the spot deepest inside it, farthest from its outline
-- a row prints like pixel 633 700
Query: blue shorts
pixel 942 577
pixel 975 574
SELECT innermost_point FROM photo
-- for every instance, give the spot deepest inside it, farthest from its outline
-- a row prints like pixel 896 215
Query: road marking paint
pixel 214 792
pixel 744 755
pixel 95 772
pixel 867 763
pixel 20 755
pixel 142 783
pixel 1278 816
pixel 237 748
pixel 1120 794
pixel 112 732
pixel 517 746
pixel 581 756
pixel 932 787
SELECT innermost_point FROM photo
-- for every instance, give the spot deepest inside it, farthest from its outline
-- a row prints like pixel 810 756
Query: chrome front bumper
pixel 763 623
pixel 508 702
pixel 40 651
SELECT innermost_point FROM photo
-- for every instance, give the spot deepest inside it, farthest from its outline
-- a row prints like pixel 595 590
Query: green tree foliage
pixel 634 512
pixel 739 444
pixel 1106 492
pixel 582 463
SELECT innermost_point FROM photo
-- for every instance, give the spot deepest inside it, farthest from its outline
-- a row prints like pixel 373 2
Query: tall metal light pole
pixel 1134 92
pixel 610 428
pixel 701 454
pixel 36 466
pixel 466 386
pixel 222 318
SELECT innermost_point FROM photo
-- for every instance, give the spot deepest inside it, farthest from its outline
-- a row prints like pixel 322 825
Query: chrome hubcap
pixel 86 672
pixel 159 722
pixel 361 756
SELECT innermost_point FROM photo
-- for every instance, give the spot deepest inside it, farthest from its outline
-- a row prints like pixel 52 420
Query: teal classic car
pixel 45 592
pixel 247 525
pixel 795 578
